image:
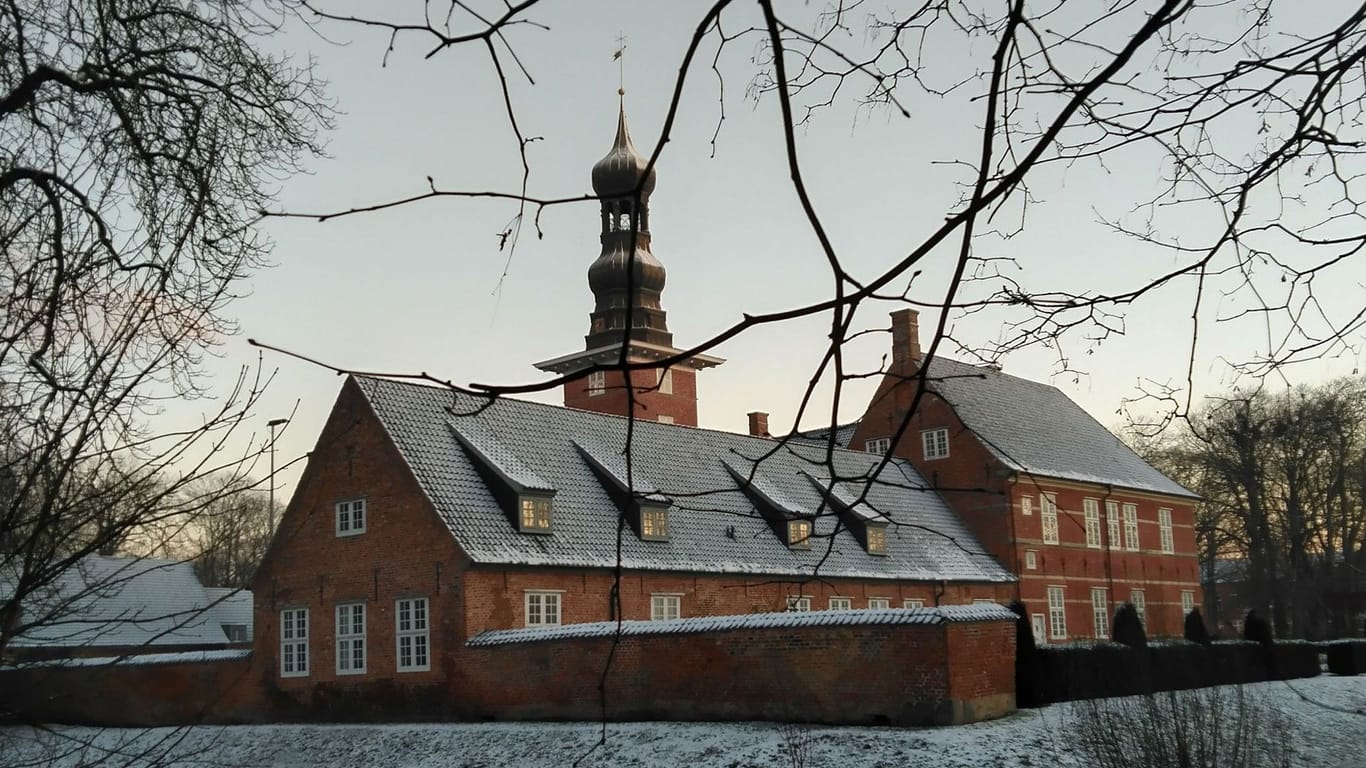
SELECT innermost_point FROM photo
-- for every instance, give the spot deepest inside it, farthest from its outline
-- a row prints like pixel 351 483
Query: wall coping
pixel 786 620
pixel 140 659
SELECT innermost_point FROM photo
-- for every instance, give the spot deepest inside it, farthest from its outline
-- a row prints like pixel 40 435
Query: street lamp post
pixel 273 423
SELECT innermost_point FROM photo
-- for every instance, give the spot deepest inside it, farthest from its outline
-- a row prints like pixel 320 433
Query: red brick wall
pixel 650 403
pixel 876 674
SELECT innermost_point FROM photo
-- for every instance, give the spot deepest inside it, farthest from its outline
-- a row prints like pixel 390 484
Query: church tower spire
pixel 627 283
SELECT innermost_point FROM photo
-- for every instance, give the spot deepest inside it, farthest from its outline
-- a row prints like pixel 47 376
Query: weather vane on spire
pixel 620 58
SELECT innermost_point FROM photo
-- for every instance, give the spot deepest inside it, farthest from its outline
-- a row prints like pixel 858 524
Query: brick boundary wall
pixel 136 691
pixel 949 665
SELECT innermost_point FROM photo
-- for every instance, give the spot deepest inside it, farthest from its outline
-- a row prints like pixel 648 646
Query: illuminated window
pixel 877 540
pixel 654 523
pixel 878 445
pixel 411 635
pixel 542 609
pixel 1091 508
pixel 841 604
pixel 1057 614
pixel 664 607
pixel 1048 515
pixel 350 517
pixel 936 443
pixel 1131 527
pixel 799 533
pixel 294 642
pixel 799 604
pixel 879 602
pixel 1164 527
pixel 351 639
pixel 535 514
pixel 1100 612
pixel 597 383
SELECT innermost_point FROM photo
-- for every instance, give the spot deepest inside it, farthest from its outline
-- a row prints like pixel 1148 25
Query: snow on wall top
pixel 143 659
pixel 789 620
pixel 713 526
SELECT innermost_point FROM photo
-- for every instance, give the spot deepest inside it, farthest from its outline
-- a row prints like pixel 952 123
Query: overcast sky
pixel 422 287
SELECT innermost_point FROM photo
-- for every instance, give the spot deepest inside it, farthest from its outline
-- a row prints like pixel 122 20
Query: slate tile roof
pixel 713 527
pixel 121 601
pixel 1033 428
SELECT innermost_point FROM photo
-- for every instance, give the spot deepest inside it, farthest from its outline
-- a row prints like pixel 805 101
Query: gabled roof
pixel 231 605
pixel 1035 428
pixel 121 601
pixel 713 526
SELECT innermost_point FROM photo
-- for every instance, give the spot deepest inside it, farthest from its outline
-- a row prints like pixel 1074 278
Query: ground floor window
pixel 294 642
pixel 542 609
pixel 840 603
pixel 1057 614
pixel 1100 612
pixel 801 604
pixel 351 638
pixel 879 602
pixel 912 602
pixel 664 607
pixel 412 635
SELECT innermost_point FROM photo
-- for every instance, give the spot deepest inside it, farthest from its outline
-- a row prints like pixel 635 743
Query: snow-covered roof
pixel 231 606
pixel 120 601
pixel 713 525
pixel 787 620
pixel 143 659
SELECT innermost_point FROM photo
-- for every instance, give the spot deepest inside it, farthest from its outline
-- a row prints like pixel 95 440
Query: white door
pixel 1040 628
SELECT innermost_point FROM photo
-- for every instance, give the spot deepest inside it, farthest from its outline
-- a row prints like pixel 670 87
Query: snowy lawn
pixel 1328 716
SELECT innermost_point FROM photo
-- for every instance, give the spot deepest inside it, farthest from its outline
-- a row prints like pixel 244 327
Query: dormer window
pixel 654 523
pixel 535 514
pixel 646 509
pixel 877 540
pixel 799 534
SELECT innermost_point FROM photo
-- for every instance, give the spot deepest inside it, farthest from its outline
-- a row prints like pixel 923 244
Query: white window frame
pixel 412 628
pixel 665 606
pixel 1131 527
pixel 542 600
pixel 1140 600
pixel 597 383
pixel 1187 601
pixel 1031 560
pixel 1164 528
pixel 350 636
pixel 1057 613
pixel 878 603
pixel 1112 521
pixel 840 604
pixel 878 445
pixel 935 443
pixel 799 603
pixel 1091 509
pixel 1027 505
pixel 1048 517
pixel 294 642
pixel 666 381
pixel 983 601
pixel 665 419
pixel 346 512
pixel 1100 613
pixel 912 602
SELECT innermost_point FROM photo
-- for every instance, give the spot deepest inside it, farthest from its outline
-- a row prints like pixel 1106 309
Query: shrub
pixel 1256 629
pixel 1346 657
pixel 1129 627
pixel 1026 658
pixel 1195 628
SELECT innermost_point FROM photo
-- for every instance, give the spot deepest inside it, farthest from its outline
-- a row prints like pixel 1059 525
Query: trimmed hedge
pixel 1346 657
pixel 1097 670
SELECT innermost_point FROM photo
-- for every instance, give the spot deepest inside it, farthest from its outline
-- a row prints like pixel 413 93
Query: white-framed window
pixel 877 540
pixel 294 642
pixel 654 524
pixel 1057 613
pixel 412 634
pixel 597 383
pixel 1048 516
pixel 1026 505
pixel 1140 602
pixel 841 604
pixel 912 602
pixel 878 445
pixel 1100 612
pixel 666 381
pixel 1031 560
pixel 1091 508
pixel 1131 527
pixel 1164 528
pixel 799 604
pixel 665 419
pixel 663 607
pixel 542 608
pixel 879 602
pixel 1112 520
pixel 936 443
pixel 350 517
pixel 351 638
pixel 799 533
pixel 535 513
pixel 237 633
pixel 1187 601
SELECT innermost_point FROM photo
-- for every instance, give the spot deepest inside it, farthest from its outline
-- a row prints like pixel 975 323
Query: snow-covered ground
pixel 1327 716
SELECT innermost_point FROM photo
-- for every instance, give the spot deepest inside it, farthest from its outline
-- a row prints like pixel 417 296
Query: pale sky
pixel 418 288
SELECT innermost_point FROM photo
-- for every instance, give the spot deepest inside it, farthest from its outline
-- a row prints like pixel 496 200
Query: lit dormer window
pixel 799 534
pixel 877 540
pixel 654 523
pixel 535 514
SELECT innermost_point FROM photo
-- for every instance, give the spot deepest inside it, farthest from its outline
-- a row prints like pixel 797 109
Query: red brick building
pixel 1083 521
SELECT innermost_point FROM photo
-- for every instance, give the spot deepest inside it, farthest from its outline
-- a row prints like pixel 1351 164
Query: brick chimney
pixel 758 424
pixel 905 338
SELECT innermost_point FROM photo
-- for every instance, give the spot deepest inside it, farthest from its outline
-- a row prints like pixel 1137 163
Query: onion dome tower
pixel 627 282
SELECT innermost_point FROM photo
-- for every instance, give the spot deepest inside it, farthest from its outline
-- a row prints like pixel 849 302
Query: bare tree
pixel 138 141
pixel 228 532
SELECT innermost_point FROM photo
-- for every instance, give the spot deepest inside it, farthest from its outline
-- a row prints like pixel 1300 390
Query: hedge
pixel 1346 657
